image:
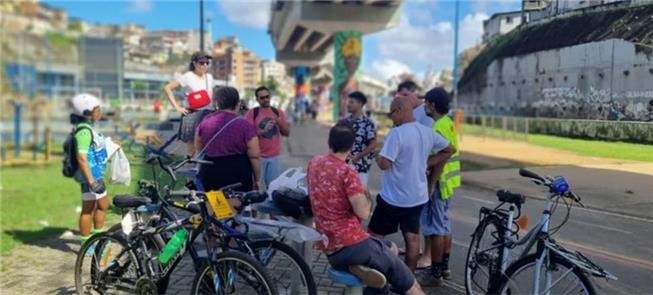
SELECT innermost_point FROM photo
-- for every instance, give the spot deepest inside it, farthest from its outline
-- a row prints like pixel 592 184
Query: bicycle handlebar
pixel 549 182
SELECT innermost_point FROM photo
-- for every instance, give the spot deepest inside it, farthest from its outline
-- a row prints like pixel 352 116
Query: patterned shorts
pixel 189 123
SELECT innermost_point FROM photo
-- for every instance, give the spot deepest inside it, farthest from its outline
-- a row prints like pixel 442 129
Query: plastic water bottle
pixel 173 246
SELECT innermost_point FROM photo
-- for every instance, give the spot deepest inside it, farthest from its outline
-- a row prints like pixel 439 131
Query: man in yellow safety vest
pixel 444 178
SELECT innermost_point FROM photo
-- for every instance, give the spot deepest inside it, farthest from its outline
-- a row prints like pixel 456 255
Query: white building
pixel 500 24
pixel 272 68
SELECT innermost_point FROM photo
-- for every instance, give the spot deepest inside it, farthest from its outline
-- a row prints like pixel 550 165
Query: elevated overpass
pixel 305 32
pixel 302 31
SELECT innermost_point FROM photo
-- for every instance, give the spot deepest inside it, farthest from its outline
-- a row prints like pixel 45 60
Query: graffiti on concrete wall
pixel 598 104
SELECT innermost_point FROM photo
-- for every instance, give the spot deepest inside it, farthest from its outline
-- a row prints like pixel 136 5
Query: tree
pixel 271 84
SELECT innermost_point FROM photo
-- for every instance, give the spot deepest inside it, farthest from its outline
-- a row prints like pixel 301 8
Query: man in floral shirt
pixel 339 206
pixel 365 135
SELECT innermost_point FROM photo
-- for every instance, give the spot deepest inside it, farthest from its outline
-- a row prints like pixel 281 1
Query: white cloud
pixel 413 45
pixel 139 6
pixel 481 6
pixel 249 13
pixel 388 67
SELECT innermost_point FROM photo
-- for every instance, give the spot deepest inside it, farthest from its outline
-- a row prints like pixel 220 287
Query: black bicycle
pixel 131 264
pixel 264 240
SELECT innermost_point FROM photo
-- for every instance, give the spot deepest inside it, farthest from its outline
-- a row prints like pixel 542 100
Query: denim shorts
pixel 435 216
pixel 376 254
pixel 189 123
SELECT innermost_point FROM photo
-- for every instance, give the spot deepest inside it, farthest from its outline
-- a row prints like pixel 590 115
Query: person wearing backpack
pixel 270 124
pixel 86 148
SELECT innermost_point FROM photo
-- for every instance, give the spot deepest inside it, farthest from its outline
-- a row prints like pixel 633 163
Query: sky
pixel 423 39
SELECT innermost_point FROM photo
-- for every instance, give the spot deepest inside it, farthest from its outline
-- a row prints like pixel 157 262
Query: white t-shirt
pixel 408 147
pixel 191 83
pixel 421 117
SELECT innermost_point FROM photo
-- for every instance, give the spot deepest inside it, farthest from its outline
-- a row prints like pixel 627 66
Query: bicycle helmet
pixel 83 104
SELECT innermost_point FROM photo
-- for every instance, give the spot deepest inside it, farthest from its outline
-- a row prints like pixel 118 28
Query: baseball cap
pixel 439 97
pixel 84 102
pixel 200 55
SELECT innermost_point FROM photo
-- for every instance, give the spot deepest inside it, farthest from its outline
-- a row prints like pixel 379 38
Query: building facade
pixel 232 61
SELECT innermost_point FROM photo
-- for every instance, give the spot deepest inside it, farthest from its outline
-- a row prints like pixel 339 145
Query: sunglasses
pixel 204 63
pixel 264 97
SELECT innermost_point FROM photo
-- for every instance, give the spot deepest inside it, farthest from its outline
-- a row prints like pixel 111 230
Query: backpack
pixel 293 202
pixel 70 164
pixel 258 109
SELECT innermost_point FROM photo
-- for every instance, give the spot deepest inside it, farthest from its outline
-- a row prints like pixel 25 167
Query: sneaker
pixel 427 279
pixel 446 274
pixel 371 277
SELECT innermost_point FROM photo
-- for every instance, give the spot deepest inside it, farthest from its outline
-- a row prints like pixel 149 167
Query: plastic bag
pixel 120 171
pixel 293 178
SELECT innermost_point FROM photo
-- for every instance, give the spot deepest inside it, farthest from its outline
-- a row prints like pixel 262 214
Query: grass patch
pixel 591 148
pixel 38 202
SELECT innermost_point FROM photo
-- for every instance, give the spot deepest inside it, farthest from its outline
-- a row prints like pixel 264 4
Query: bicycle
pixel 138 268
pixel 262 239
pixel 548 253
pixel 488 252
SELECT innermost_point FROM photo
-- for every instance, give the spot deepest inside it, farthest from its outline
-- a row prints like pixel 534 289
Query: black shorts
pixel 386 218
pixel 375 254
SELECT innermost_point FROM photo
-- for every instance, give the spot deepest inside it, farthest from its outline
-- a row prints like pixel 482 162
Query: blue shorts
pixel 435 216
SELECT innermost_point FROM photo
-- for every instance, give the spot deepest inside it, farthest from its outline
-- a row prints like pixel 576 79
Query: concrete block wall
pixel 607 80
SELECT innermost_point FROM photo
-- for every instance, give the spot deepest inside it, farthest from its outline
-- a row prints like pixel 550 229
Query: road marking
pixel 601 226
pixel 540 198
pixel 619 259
pixel 648 220
pixel 478 200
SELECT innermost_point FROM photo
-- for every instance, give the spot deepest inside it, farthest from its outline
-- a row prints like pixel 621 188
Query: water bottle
pixel 172 247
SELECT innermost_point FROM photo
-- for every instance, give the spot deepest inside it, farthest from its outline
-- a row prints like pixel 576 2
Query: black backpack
pixel 258 109
pixel 293 202
pixel 70 164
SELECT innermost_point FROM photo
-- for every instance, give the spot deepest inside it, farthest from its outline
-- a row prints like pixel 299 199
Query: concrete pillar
pixel 302 86
pixel 347 60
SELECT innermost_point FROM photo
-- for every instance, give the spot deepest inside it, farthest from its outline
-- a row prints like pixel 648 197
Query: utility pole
pixel 454 86
pixel 201 25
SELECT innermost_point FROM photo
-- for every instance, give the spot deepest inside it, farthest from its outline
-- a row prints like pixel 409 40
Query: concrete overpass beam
pixel 302 39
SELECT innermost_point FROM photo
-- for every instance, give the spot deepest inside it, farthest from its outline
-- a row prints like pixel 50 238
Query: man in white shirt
pixel 404 191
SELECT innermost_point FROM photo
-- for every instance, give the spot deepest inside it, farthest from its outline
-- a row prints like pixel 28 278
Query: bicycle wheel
pixel 287 268
pixel 105 265
pixel 564 277
pixel 232 272
pixel 484 256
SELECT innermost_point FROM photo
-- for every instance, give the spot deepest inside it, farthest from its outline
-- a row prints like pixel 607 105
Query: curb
pixel 486 186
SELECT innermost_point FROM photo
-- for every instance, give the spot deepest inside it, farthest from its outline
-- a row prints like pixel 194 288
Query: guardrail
pixel 521 127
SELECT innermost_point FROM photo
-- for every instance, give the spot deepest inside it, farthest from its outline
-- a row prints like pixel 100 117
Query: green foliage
pixel 271 84
pixel 38 202
pixel 60 40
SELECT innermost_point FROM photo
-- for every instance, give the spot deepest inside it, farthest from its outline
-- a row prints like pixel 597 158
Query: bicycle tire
pixel 203 283
pixel 529 261
pixel 482 268
pixel 308 281
pixel 162 283
pixel 99 242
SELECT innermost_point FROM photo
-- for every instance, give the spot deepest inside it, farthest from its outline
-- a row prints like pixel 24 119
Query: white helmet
pixel 84 102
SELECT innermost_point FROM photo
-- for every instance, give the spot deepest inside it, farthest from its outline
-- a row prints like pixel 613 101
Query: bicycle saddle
pixel 508 197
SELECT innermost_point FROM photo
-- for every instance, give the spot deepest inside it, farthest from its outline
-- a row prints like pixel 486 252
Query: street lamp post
pixel 454 87
pixel 201 25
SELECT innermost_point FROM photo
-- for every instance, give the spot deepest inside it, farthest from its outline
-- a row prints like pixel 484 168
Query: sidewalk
pixel 617 186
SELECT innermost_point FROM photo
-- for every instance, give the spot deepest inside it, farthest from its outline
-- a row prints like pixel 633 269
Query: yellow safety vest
pixel 450 177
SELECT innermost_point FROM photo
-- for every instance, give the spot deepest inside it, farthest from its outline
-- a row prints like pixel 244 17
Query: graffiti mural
pixel 596 104
pixel 347 60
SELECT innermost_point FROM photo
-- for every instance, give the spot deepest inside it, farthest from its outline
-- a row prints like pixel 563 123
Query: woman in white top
pixel 195 79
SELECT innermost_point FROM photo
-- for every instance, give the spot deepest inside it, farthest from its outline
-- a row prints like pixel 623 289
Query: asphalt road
pixel 620 244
